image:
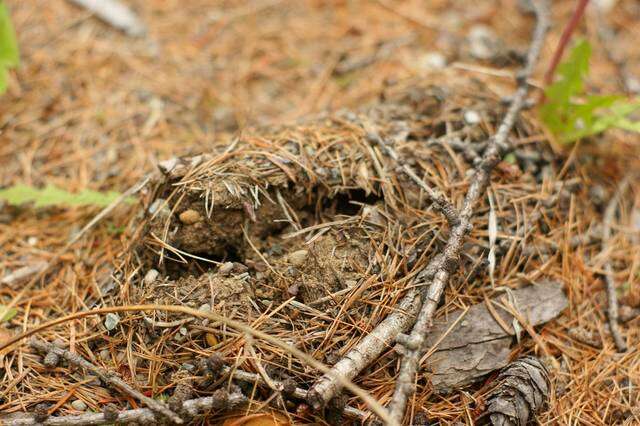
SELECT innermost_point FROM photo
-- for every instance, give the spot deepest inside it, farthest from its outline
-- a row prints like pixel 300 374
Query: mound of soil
pixel 311 232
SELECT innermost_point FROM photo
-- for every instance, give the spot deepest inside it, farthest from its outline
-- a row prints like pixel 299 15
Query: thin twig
pixel 107 377
pixel 612 296
pixel 441 202
pixel 439 268
pixel 298 393
pixel 564 40
pixel 413 345
pixel 191 407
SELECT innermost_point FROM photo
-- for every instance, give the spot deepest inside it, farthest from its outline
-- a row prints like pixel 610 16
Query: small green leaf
pixel 6 313
pixel 9 56
pixel 52 196
pixel 571 115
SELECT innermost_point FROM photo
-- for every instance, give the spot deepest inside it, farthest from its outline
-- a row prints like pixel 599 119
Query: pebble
pixel 105 355
pixel 471 117
pixel 298 258
pixel 79 405
pixel 111 321
pixel 483 42
pixel 205 308
pixel 189 217
pixel 151 276
pixel 226 268
pixel 432 61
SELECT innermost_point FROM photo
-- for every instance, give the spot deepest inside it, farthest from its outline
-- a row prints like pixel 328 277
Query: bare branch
pixel 107 377
pixel 612 296
pixel 191 407
pixel 413 345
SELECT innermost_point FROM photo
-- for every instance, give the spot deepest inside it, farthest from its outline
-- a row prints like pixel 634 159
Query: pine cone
pixel 522 390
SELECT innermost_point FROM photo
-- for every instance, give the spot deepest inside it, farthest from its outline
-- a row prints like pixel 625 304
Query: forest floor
pixel 91 107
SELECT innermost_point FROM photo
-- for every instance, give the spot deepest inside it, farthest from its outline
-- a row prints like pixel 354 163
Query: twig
pixel 296 392
pixel 441 202
pixel 116 14
pixel 564 40
pixel 440 267
pixel 342 381
pixel 107 377
pixel 191 407
pixel 413 345
pixel 374 343
pixel 612 297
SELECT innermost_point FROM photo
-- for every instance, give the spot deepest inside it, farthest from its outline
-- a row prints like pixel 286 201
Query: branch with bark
pixel 54 353
pixel 413 345
pixel 193 407
pixel 416 304
pixel 612 296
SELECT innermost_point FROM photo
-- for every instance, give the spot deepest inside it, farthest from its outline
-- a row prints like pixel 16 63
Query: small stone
pixel 111 321
pixel 79 405
pixel 298 258
pixel 472 117
pixel 189 217
pixel 225 268
pixel 105 355
pixel 432 61
pixel 160 206
pixel 293 289
pixel 32 241
pixel 483 42
pixel 211 338
pixel 205 308
pixel 51 360
pixel 151 276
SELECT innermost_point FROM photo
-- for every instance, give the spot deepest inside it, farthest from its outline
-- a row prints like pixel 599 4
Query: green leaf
pixel 7 313
pixel 571 114
pixel 3 79
pixel 53 196
pixel 9 56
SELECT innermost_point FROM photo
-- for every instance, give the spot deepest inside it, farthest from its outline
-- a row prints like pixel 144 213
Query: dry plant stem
pixel 441 202
pixel 413 345
pixel 191 407
pixel 612 296
pixel 107 377
pixel 297 392
pixel 373 344
pixel 564 40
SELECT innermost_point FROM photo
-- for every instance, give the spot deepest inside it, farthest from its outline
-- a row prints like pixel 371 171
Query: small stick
pixel 564 40
pixel 107 377
pixel 413 345
pixel 296 392
pixel 192 407
pixel 440 202
pixel 612 297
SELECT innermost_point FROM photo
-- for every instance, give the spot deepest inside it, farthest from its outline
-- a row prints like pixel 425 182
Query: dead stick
pixel 612 297
pixel 373 344
pixel 192 407
pixel 564 40
pixel 107 377
pixel 299 393
pixel 413 345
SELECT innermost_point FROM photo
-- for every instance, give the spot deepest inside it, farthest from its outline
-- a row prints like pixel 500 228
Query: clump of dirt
pixel 312 233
